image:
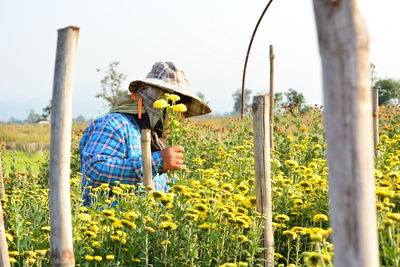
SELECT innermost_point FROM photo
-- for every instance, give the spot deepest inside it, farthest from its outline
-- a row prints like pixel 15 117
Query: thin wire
pixel 248 52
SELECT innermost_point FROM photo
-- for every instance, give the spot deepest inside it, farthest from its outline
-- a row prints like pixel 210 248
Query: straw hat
pixel 166 76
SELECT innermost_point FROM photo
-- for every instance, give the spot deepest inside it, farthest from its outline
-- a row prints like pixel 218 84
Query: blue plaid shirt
pixel 110 151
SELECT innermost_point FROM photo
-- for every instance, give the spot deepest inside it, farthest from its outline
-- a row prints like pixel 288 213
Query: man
pixel 110 147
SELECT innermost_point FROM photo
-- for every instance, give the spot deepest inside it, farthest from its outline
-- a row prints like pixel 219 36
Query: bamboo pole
pixel 60 205
pixel 4 259
pixel 263 172
pixel 146 157
pixel 375 114
pixel 2 185
pixel 271 95
pixel 343 45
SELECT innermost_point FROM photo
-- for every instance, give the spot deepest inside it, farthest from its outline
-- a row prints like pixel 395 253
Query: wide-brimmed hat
pixel 167 76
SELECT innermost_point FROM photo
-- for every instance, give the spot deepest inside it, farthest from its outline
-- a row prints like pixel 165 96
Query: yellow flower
pixel 9 237
pixel 211 183
pixel 84 217
pixel 242 238
pixel 13 253
pixel 316 237
pixel 200 207
pixel 131 215
pixel 46 228
pixel 172 97
pixel 128 224
pixel 205 226
pixel 160 103
pixel 108 213
pixel 394 216
pixel 290 234
pixel 89 257
pixel 291 163
pixel 13 260
pixel 243 188
pixel 98 258
pixel 90 234
pixel 165 242
pixel 41 252
pixel 227 187
pixel 282 218
pixel 169 226
pixel 179 108
pixel 150 229
pixel 191 216
pixel 110 257
pixel 96 244
pixel 320 218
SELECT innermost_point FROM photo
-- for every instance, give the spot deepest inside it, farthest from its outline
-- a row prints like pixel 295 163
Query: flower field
pixel 209 218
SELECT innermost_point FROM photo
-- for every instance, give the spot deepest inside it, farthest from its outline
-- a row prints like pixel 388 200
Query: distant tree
pixel 14 120
pixel 278 99
pixel 388 90
pixel 32 117
pixel 80 118
pixel 46 111
pixel 111 84
pixel 373 74
pixel 293 99
pixel 237 100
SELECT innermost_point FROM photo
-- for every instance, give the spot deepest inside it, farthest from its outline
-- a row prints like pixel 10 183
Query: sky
pixel 207 39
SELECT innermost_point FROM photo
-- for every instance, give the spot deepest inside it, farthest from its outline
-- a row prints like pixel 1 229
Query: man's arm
pixel 103 156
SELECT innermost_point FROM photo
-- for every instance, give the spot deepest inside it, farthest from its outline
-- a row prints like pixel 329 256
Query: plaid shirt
pixel 110 151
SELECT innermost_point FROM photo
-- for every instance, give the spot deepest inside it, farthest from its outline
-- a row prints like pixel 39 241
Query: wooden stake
pixel 271 95
pixel 4 259
pixel 343 44
pixel 375 114
pixel 146 158
pixel 60 205
pixel 263 172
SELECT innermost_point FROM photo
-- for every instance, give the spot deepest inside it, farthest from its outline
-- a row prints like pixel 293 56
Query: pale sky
pixel 207 39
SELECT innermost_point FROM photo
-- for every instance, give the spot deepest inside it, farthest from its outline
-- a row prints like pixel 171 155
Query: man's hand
pixel 173 158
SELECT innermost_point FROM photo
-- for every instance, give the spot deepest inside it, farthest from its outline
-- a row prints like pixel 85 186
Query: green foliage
pixel 33 117
pixel 111 85
pixel 389 90
pixel 237 100
pixel 47 111
pixel 294 100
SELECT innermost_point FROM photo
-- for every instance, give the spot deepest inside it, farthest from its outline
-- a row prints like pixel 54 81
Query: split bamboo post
pixel 146 158
pixel 343 45
pixel 375 114
pixel 271 95
pixel 4 259
pixel 263 172
pixel 60 149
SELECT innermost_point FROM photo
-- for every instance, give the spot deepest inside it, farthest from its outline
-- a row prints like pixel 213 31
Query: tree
pixel 278 99
pixel 46 111
pixel 237 100
pixel 33 117
pixel 388 90
pixel 111 84
pixel 80 118
pixel 294 99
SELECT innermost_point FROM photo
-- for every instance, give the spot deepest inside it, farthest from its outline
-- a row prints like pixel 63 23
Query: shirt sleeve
pixel 104 156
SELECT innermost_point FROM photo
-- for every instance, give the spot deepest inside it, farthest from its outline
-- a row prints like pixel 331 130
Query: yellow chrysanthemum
pixel 179 108
pixel 160 103
pixel 172 97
